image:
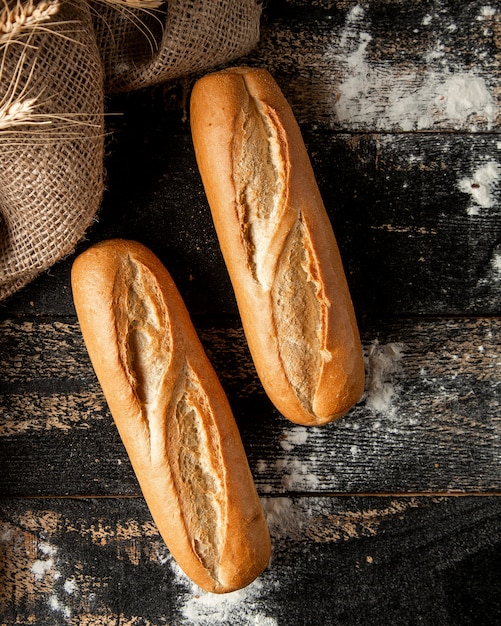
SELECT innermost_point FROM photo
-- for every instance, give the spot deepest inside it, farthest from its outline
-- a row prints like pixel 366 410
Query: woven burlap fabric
pixel 142 47
pixel 55 72
pixel 51 172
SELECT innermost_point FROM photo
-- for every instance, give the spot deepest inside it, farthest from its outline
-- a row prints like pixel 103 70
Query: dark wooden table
pixel 392 514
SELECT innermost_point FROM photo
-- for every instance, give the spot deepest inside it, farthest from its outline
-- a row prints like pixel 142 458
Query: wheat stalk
pixel 16 113
pixel 22 17
pixel 136 4
pixel 21 111
pixel 134 10
pixel 19 20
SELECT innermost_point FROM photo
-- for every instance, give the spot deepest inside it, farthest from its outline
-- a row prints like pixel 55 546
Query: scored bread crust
pixel 278 244
pixel 172 415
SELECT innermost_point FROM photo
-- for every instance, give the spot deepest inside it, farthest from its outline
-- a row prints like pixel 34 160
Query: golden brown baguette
pixel 172 415
pixel 278 245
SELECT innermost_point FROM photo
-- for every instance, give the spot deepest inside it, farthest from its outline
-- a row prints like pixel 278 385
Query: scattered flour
pixel 59 607
pixel 41 567
pixel 294 437
pixel 47 566
pixel 492 269
pixel 70 586
pixel 296 475
pixel 481 186
pixel 383 365
pixel 286 520
pixel 261 466
pixel 389 97
pixel 487 11
pixel 46 548
pixel 496 264
pixel 245 607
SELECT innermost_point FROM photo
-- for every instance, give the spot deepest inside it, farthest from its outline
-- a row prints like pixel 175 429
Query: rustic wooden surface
pixel 392 514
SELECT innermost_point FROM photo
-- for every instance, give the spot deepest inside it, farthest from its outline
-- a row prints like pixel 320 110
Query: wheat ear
pixel 22 118
pixel 21 17
pixel 19 20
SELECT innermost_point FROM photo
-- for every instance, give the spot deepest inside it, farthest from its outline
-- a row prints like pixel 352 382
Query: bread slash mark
pixel 261 184
pixel 299 308
pixel 198 471
pixel 145 344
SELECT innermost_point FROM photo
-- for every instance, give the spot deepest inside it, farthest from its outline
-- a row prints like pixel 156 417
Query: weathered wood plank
pixel 418 220
pixel 417 217
pixel 400 107
pixel 429 420
pixel 386 65
pixel 371 66
pixel 102 562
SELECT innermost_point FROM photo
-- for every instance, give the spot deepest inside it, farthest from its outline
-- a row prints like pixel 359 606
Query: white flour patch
pixel 42 567
pixel 481 186
pixel 487 11
pixel 45 565
pixel 386 96
pixel 59 607
pixel 285 519
pixel 70 586
pixel 496 264
pixel 466 95
pixel 293 437
pixel 296 475
pixel 383 364
pixel 47 549
pixel 245 607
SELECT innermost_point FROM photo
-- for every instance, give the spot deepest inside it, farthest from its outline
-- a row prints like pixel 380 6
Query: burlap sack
pixel 58 58
pixel 145 42
pixel 51 136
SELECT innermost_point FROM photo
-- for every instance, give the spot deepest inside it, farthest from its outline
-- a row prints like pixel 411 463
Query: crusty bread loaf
pixel 278 244
pixel 172 415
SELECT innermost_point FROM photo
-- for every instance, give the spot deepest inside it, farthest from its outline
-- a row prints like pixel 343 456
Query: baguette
pixel 172 415
pixel 278 245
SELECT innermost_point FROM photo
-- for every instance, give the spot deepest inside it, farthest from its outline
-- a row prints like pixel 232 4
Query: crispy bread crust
pixel 278 245
pixel 172 415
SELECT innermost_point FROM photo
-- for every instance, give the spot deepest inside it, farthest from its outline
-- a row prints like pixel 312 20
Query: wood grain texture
pixel 429 420
pixel 390 66
pixel 399 104
pixel 412 209
pixel 101 562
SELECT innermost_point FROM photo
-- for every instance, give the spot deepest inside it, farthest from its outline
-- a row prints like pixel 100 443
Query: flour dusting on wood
pixel 496 263
pixel 295 474
pixel 244 607
pixel 293 437
pixel 285 518
pixel 383 365
pixel 387 95
pixel 482 186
